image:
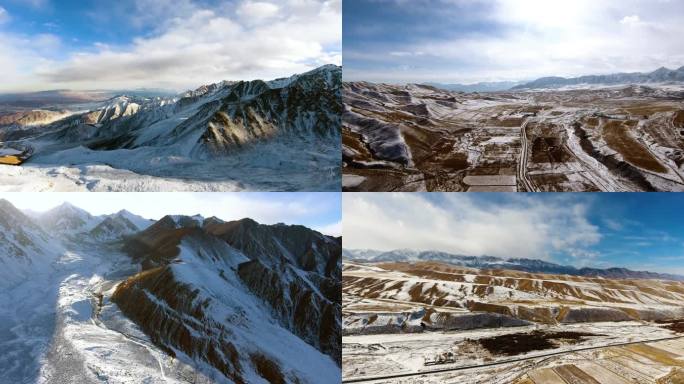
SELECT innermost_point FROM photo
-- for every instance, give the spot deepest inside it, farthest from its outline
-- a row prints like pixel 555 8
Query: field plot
pixel 430 322
pixel 417 137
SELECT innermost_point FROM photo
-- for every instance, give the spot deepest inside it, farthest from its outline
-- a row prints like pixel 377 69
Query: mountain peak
pixel 67 207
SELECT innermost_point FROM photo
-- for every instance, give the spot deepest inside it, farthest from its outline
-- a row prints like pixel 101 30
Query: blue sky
pixel 399 41
pixel 174 44
pixel 318 210
pixel 642 231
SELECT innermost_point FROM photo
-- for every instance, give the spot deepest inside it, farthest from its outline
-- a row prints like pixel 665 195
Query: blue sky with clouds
pixel 173 44
pixel 643 231
pixel 317 210
pixel 399 41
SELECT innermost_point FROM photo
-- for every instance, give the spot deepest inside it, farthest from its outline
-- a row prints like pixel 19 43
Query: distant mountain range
pixel 494 86
pixel 660 75
pixel 492 262
pixel 66 97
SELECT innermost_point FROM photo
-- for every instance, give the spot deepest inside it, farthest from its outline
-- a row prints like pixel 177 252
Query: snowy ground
pixel 379 355
pixel 275 166
pixel 53 329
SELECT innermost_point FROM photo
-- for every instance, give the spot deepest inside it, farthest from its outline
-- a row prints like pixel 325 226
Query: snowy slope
pixel 234 135
pixel 25 248
pixel 67 219
pixel 255 303
pixel 74 308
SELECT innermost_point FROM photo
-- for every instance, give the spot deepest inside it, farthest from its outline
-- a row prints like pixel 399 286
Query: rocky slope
pixel 215 119
pixel 410 297
pixel 34 117
pixel 253 302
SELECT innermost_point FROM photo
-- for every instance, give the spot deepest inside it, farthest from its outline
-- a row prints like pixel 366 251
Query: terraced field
pixel 416 137
pixel 430 322
pixel 656 362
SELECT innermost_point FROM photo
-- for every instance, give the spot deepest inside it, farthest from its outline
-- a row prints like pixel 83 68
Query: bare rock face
pixel 228 294
pixel 296 302
pixel 308 104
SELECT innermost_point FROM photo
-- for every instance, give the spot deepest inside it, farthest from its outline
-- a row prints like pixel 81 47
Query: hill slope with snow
pixel 276 135
pixel 123 299
pixel 239 297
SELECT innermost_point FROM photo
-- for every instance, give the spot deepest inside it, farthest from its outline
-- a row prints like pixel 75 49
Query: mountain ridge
pixel 660 75
pixel 493 262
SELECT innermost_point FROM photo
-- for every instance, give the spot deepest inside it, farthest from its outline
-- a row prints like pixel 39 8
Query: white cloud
pixel 257 11
pixel 202 46
pixel 332 229
pixel 21 54
pixel 630 20
pixel 535 38
pixel 4 16
pixel 522 227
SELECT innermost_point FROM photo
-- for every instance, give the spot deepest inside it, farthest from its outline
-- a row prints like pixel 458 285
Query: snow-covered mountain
pixel 660 75
pixel 236 135
pixel 118 226
pixel 25 247
pixel 249 301
pixel 216 119
pixel 67 218
pixel 492 262
pixel 187 299
pixel 140 222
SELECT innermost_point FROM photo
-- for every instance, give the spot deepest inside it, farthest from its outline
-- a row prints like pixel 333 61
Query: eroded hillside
pixel 248 300
pixel 400 297
pixel 417 137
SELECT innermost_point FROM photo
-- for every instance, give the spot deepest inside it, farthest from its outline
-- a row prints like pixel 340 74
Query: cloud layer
pixel 190 44
pixel 489 40
pixel 514 227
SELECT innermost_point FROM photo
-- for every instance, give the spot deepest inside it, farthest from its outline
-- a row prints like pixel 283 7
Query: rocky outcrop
pixel 297 301
pixel 308 104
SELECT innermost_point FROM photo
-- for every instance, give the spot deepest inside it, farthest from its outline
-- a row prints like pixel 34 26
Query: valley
pixel 425 321
pixel 615 137
pixel 122 299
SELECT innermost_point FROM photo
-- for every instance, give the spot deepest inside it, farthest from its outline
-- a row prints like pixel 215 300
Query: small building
pixel 14 156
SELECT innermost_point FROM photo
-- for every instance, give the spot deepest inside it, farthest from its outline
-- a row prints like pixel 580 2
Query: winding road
pixel 522 162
